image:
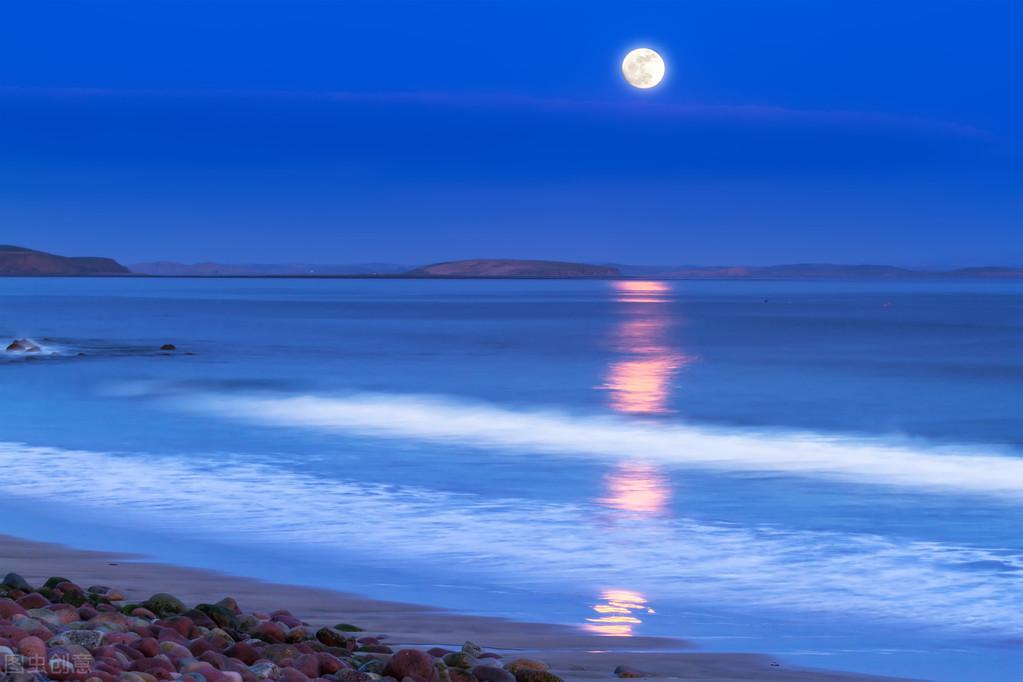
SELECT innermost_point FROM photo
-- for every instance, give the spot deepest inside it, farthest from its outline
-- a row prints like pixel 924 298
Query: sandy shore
pixel 572 654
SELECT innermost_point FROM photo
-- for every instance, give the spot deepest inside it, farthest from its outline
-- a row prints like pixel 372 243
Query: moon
pixel 643 68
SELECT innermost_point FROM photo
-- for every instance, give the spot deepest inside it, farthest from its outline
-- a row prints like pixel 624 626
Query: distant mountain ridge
pixel 505 267
pixel 816 271
pixel 19 261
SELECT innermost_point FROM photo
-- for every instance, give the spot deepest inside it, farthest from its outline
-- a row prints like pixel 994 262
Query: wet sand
pixel 571 653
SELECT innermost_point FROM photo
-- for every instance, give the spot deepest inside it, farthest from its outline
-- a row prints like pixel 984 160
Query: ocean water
pixel 829 472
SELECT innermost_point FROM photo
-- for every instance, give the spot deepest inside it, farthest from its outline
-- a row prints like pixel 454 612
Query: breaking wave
pixel 530 432
pixel 531 543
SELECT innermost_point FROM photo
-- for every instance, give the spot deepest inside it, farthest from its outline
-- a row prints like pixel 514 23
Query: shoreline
pixel 500 278
pixel 571 653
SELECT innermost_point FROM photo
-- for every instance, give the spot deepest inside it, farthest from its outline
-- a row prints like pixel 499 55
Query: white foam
pixel 611 438
pixel 559 547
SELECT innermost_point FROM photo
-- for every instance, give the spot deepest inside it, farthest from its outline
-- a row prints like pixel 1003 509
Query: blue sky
pixel 350 131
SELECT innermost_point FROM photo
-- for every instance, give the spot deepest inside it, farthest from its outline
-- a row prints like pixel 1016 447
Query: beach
pixel 571 654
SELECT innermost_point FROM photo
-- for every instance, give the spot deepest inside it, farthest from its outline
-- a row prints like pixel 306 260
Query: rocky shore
pixel 121 583
pixel 62 631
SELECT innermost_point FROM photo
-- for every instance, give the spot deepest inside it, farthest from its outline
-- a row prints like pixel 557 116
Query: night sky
pixel 348 131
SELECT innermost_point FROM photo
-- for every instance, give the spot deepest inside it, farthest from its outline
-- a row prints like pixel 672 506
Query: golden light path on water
pixel 639 383
pixel 637 488
pixel 617 613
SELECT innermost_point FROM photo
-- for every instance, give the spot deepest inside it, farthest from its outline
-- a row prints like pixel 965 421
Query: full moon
pixel 643 68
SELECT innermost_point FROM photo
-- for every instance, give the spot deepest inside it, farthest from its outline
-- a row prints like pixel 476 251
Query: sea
pixel 829 472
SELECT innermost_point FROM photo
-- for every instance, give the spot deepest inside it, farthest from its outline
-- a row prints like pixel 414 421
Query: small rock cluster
pixel 23 346
pixel 61 631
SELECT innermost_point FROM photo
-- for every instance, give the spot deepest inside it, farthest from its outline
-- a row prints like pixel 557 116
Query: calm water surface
pixel 828 472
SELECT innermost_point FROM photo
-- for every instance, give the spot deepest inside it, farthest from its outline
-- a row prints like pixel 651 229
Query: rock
pixel 183 625
pixel 32 646
pixel 87 612
pixel 113 622
pixel 231 605
pixel 202 668
pixel 109 593
pixel 491 673
pixel 332 637
pixel 308 665
pixel 200 618
pixel 220 615
pixel 412 663
pixel 329 663
pixel 625 671
pixel 373 666
pixel 9 608
pixel 176 652
pixel 16 582
pixel 45 616
pixel 168 346
pixel 436 652
pixel 33 601
pixel 460 660
pixel 291 675
pixel 147 646
pixel 527 675
pixel 270 632
pixel 472 649
pixel 55 581
pixel 244 652
pixel 524 664
pixel 90 639
pixel 353 676
pixel 163 604
pixel 345 627
pixel 458 675
pixel 219 639
pixel 152 663
pixel 22 346
pixel 297 634
pixel 265 670
pixel 66 613
pixel 247 623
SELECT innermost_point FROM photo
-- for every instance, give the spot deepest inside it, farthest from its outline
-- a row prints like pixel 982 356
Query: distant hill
pixel 172 269
pixel 813 272
pixel 499 267
pixel 987 273
pixel 17 260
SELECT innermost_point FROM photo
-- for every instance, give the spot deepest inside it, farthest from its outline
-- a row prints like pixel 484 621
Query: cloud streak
pixel 690 112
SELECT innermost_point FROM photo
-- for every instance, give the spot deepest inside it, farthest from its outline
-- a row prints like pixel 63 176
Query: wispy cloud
pixel 751 113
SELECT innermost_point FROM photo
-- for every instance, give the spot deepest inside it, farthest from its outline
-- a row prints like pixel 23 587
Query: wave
pixel 556 547
pixel 530 432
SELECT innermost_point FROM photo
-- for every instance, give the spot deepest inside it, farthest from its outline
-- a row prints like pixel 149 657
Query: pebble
pixel 412 663
pixel 524 664
pixel 32 646
pixel 472 649
pixel 625 671
pixel 527 675
pixel 489 673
